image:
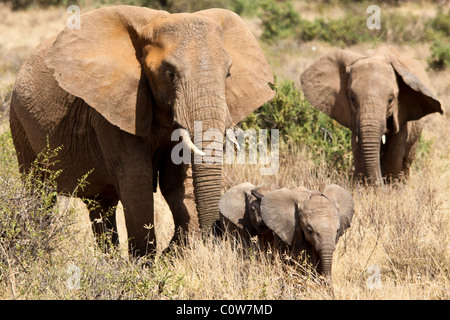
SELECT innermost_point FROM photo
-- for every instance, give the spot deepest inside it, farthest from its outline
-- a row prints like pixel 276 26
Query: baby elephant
pixel 304 219
pixel 240 212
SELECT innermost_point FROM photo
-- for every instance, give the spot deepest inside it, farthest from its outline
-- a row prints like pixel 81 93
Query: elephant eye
pixel 229 72
pixel 170 74
pixel 391 98
pixel 309 230
pixel 352 99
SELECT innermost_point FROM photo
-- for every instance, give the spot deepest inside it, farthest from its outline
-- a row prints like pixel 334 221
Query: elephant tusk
pixel 383 139
pixel 232 137
pixel 188 141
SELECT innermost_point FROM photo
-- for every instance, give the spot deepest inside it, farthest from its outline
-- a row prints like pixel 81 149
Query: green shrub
pixel 300 123
pixel 440 55
pixel 424 147
pixel 25 4
pixel 441 23
pixel 28 219
pixel 342 32
pixel 279 20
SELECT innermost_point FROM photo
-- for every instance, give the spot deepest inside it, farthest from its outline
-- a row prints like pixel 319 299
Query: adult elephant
pixel 113 91
pixel 380 96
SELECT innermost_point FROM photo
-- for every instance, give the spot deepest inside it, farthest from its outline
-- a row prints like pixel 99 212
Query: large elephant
pixel 309 221
pixel 112 93
pixel 380 96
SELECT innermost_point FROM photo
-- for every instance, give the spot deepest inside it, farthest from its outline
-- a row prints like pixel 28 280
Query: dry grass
pixel 402 229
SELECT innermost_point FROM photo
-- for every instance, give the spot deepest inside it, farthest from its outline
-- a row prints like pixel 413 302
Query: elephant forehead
pixel 372 70
pixel 319 205
pixel 183 24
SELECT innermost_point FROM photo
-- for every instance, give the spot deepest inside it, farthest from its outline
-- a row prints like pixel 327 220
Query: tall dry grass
pixel 402 230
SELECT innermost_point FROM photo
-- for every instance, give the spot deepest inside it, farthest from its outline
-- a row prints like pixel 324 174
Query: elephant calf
pixel 380 96
pixel 240 212
pixel 306 220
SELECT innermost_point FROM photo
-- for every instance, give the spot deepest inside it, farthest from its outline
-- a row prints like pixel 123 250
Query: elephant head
pixel 372 94
pixel 309 220
pixel 145 70
pixel 240 211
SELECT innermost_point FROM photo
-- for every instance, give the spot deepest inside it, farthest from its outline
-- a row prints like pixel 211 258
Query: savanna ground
pixel 398 245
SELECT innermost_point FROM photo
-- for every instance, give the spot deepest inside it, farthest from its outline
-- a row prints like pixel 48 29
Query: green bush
pixel 279 20
pixel 441 23
pixel 25 4
pixel 440 55
pixel 347 31
pixel 300 123
pixel 29 225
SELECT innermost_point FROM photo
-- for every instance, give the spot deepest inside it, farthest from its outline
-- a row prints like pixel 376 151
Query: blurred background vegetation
pixel 280 21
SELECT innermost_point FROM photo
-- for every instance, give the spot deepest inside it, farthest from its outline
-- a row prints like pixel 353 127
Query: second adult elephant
pixel 112 93
pixel 380 96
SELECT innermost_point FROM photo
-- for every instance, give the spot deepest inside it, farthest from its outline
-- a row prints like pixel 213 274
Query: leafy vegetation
pixel 280 20
pixel 300 123
pixel 439 58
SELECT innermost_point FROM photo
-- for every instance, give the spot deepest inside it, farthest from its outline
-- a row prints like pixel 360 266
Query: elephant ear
pixel 279 211
pixel 324 84
pixel 233 205
pixel 248 86
pixel 344 201
pixel 415 98
pixel 100 63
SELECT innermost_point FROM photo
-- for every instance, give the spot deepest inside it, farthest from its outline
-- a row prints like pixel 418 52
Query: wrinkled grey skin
pixel 305 220
pixel 309 220
pixel 240 212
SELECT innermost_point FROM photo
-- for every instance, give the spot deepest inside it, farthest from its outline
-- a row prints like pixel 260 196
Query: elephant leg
pixel 176 186
pixel 129 164
pixel 392 154
pixel 25 154
pixel 358 158
pixel 412 142
pixel 102 213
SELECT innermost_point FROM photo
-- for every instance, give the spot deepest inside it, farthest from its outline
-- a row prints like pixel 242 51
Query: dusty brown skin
pixel 112 92
pixel 379 93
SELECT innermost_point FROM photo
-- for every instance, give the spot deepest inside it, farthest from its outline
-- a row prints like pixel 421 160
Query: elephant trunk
pixel 370 135
pixel 209 128
pixel 326 260
pixel 207 187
